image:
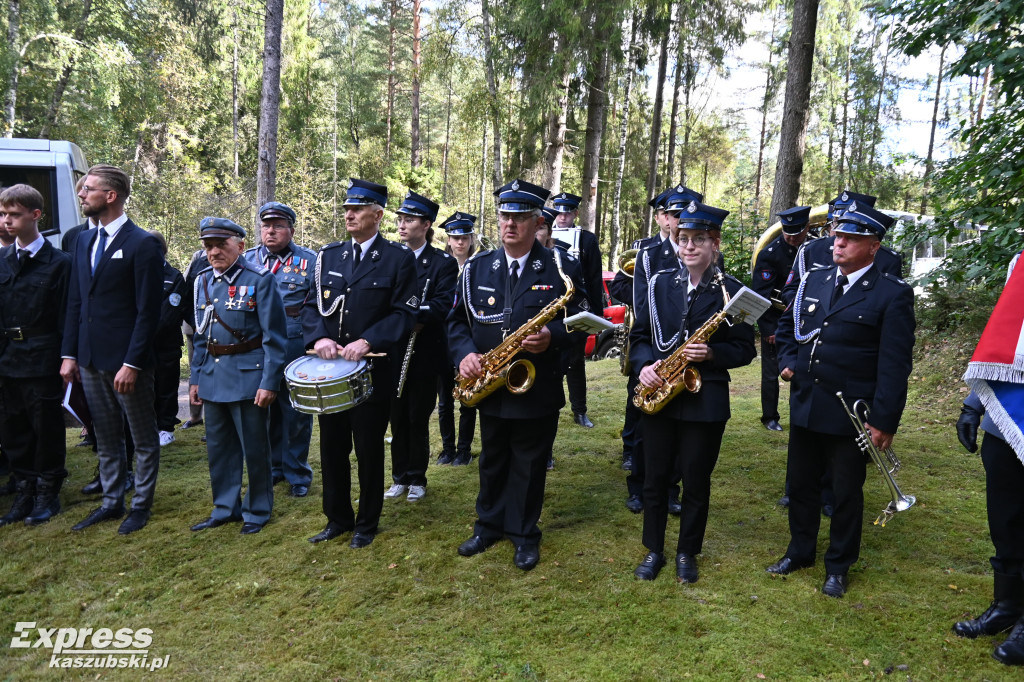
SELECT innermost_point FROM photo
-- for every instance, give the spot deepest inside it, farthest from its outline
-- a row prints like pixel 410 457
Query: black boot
pixel 462 458
pixel 1006 608
pixel 1011 652
pixel 47 503
pixel 22 505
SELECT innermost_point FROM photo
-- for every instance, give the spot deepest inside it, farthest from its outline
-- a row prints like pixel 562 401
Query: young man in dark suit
pixel 113 312
pixel 33 293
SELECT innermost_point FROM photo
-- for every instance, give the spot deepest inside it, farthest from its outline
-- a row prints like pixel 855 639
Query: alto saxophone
pixel 677 372
pixel 497 365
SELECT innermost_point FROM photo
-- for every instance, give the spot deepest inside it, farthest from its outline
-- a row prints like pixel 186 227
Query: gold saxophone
pixel 676 371
pixel 498 368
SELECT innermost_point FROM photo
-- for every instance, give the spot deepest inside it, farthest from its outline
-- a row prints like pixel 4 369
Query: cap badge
pixel 515 185
pixel 692 208
pixel 845 197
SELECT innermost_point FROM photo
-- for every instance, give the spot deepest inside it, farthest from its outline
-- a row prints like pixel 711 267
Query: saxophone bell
pixel 691 379
pixel 519 376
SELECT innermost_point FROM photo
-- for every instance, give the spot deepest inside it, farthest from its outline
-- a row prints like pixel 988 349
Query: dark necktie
pixel 22 256
pixel 513 276
pixel 837 293
pixel 690 296
pixel 355 251
pixel 99 249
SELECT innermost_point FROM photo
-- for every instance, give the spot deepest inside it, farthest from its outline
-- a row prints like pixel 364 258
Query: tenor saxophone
pixel 498 365
pixel 678 373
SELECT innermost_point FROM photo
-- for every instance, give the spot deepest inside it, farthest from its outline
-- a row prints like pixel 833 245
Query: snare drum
pixel 318 386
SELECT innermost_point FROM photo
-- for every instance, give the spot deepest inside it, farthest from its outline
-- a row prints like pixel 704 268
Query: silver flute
pixel 409 349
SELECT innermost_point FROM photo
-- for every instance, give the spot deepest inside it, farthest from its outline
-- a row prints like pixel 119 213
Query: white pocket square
pixel 118 254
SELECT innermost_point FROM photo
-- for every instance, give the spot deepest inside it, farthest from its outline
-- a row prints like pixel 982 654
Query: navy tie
pixel 837 293
pixel 99 249
pixel 356 252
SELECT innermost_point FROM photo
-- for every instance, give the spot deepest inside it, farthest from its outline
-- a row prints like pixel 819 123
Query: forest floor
pixel 273 606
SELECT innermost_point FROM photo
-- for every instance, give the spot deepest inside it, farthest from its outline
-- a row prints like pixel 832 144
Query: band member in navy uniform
pixel 585 249
pixel 771 269
pixel 499 292
pixel 832 340
pixel 33 296
pixel 174 308
pixel 427 350
pixel 457 452
pixel 686 434
pixel 364 300
pixel 990 372
pixel 236 373
pixel 817 253
pixel 292 267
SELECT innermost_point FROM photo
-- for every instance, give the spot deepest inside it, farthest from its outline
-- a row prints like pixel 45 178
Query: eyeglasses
pixel 698 240
pixel 406 219
pixel 274 228
pixel 87 189
pixel 517 218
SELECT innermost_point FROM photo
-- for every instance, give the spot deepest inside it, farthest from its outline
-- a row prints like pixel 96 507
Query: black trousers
pixel 1004 490
pixel 446 416
pixel 691 448
pixel 513 472
pixel 632 426
pixel 364 426
pixel 32 427
pixel 410 430
pixel 769 381
pixel 574 363
pixel 168 376
pixel 810 453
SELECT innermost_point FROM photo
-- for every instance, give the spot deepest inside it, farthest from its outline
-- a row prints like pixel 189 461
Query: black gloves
pixel 967 427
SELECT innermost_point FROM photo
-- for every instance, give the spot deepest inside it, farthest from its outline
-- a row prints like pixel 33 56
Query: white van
pixel 53 167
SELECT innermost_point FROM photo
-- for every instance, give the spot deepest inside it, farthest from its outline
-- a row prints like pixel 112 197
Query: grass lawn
pixel 224 606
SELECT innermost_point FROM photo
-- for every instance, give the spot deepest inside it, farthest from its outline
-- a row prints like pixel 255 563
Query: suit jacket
pixel 376 301
pixel 430 356
pixel 175 303
pixel 663 325
pixel 771 271
pixel 256 310
pixel 70 238
pixel 862 347
pixel 33 296
pixel 112 316
pixel 475 323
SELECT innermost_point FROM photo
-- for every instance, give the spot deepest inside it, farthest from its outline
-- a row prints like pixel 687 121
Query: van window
pixel 44 180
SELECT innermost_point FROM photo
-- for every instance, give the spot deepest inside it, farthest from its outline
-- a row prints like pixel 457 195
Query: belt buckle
pixel 19 335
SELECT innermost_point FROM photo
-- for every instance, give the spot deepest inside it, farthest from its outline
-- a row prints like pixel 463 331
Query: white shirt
pixel 364 247
pixel 853 276
pixel 32 248
pixel 418 251
pixel 111 228
pixel 521 260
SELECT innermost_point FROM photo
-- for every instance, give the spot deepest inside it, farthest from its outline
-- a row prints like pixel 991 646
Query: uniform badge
pixel 515 185
pixel 291 287
pixel 174 299
pixel 413 302
pixel 327 293
pixel 692 208
pixel 252 304
pixel 287 269
pixel 490 301
pixel 303 273
pixel 344 255
pixel 811 308
pixel 536 265
pixel 495 265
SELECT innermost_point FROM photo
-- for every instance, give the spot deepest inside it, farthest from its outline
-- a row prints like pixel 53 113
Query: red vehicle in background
pixel 606 344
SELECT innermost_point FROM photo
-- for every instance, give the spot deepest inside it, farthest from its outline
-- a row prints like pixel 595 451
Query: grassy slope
pixel 272 605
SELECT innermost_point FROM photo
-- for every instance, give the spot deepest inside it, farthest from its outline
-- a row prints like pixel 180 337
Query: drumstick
pixel 366 355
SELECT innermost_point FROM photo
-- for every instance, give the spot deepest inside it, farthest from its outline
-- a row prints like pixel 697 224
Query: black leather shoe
pixel 93 487
pixel 785 566
pixel 583 420
pixel 360 540
pixel 299 490
pixel 686 568
pixel 213 523
pixel 475 545
pixel 1011 652
pixel 462 458
pixel 650 567
pixel 526 556
pixel 250 528
pixel 97 515
pixel 835 585
pixel 675 507
pixel 447 456
pixel 772 425
pixel 627 463
pixel 634 504
pixel 330 531
pixel 278 478
pixel 137 520
pixel 86 442
pixel 189 424
pixel 1000 616
pixel 783 501
pixel 827 510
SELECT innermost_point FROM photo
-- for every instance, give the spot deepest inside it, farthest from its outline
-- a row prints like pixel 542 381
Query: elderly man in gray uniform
pixel 236 373
pixel 292 266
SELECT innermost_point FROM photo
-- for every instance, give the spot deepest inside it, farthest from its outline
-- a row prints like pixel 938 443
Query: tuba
pixel 886 461
pixel 817 219
pixel 677 372
pixel 500 368
pixel 627 261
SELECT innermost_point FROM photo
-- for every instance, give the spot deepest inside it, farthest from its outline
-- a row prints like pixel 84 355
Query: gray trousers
pixel 109 411
pixel 235 433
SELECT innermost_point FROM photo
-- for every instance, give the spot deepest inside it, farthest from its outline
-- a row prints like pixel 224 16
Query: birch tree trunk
pixel 629 51
pixel 13 37
pixel 492 90
pixel 652 154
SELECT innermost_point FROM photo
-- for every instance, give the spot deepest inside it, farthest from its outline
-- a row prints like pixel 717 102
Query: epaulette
pixel 894 278
pixel 732 279
pixel 405 246
pixel 252 250
pixel 399 245
pixel 332 245
pixel 479 254
pixel 445 254
pixel 892 251
pixel 821 267
pixel 208 268
pixel 256 267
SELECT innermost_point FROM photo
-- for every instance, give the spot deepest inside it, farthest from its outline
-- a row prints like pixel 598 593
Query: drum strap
pixel 237 335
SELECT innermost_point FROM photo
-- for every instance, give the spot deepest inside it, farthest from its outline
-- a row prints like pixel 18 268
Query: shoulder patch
pixel 893 278
pixel 445 254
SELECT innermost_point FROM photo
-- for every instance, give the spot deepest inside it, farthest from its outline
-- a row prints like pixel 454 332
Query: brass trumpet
pixel 886 461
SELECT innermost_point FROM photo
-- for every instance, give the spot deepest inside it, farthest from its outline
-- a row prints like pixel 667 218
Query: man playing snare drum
pixel 236 371
pixel 364 301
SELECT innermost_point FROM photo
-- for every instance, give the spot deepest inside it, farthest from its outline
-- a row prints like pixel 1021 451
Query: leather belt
pixel 24 333
pixel 293 310
pixel 235 348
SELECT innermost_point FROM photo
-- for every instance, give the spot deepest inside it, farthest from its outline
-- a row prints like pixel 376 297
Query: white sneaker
pixel 166 438
pixel 397 490
pixel 416 492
